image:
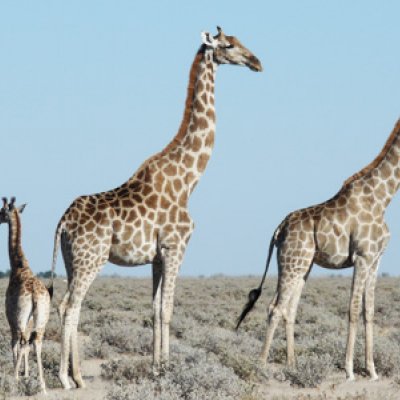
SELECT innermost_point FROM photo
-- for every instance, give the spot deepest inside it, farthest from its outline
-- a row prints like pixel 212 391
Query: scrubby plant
pixel 309 371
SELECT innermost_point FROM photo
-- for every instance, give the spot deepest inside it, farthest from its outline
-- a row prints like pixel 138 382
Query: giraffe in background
pixel 27 298
pixel 346 231
pixel 146 219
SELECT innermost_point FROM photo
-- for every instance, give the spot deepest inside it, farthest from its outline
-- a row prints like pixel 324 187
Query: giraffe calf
pixel 27 298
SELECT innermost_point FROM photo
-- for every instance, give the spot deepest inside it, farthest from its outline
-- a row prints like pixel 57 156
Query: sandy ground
pixel 335 388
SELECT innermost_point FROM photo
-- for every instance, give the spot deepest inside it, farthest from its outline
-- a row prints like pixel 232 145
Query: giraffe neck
pixel 381 178
pixel 192 146
pixel 16 254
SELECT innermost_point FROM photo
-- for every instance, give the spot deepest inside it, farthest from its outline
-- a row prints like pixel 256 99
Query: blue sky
pixel 89 90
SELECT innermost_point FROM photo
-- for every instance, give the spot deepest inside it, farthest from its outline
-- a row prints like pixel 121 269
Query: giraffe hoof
pixel 350 378
pixel 374 377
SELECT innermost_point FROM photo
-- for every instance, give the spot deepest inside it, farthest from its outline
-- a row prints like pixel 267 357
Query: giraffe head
pixel 9 208
pixel 228 50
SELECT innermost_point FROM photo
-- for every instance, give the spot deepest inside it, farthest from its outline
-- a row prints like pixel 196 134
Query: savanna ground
pixel 209 360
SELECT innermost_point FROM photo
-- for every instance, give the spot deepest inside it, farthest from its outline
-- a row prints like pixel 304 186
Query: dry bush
pixel 309 371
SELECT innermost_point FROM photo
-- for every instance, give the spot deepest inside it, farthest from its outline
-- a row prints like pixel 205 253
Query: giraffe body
pixel 145 220
pixel 27 298
pixel 346 231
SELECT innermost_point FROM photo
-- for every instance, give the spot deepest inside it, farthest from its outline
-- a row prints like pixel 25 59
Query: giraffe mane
pixel 189 102
pixel 378 159
pixel 186 114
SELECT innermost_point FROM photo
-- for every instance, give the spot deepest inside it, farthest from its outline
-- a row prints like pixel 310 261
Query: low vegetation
pixel 209 359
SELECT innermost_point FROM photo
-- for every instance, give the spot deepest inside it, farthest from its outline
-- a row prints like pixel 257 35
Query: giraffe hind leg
pixel 157 282
pixel 69 350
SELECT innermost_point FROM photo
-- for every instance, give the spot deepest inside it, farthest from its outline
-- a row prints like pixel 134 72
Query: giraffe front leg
pixel 369 317
pixel 172 261
pixel 157 274
pixel 358 286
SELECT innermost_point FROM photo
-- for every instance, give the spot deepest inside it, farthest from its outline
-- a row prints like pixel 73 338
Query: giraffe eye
pixel 229 46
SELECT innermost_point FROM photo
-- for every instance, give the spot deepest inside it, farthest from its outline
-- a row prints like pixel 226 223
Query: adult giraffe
pixel 146 220
pixel 348 230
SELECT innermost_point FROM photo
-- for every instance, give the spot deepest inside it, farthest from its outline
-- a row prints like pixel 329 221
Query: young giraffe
pixel 345 231
pixel 146 220
pixel 27 298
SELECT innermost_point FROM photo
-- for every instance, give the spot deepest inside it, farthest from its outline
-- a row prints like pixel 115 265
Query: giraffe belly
pixel 335 261
pixel 129 256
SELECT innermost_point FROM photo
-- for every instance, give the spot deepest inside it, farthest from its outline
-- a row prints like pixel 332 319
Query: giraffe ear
pixel 21 208
pixel 208 40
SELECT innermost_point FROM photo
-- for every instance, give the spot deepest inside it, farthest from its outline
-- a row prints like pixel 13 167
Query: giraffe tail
pixel 255 293
pixel 57 237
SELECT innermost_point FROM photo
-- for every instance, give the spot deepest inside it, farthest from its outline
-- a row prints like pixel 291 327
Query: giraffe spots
pixel 99 231
pixel 188 161
pixel 146 190
pixel 391 185
pixel 377 210
pixel 148 230
pixel 142 210
pixel 128 203
pixel 162 217
pixel 170 170
pixel 211 99
pixel 127 232
pixel 175 156
pixel 151 215
pixel 182 200
pixel 204 98
pixel 196 144
pixel 137 239
pixel 202 162
pixel 136 197
pixel 177 185
pixel 199 86
pixel 158 183
pixel 336 230
pixel 210 114
pixel 341 216
pixel 367 189
pixel 210 139
pixel 131 216
pixel 202 123
pixel 90 225
pixel 385 170
pixel 392 158
pixel 173 214
pixel 365 217
pixel 168 190
pixel 353 206
pixel 376 232
pixel 164 203
pixel 152 201
pixel 117 225
pixel 198 106
pixel 380 191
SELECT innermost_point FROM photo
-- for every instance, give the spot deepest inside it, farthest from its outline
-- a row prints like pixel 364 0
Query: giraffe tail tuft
pixel 253 297
pixel 255 293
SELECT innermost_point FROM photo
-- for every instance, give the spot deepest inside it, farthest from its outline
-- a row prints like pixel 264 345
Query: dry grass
pixel 208 358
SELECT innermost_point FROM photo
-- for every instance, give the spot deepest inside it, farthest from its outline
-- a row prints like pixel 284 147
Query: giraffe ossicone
pixel 348 230
pixel 27 298
pixel 146 219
